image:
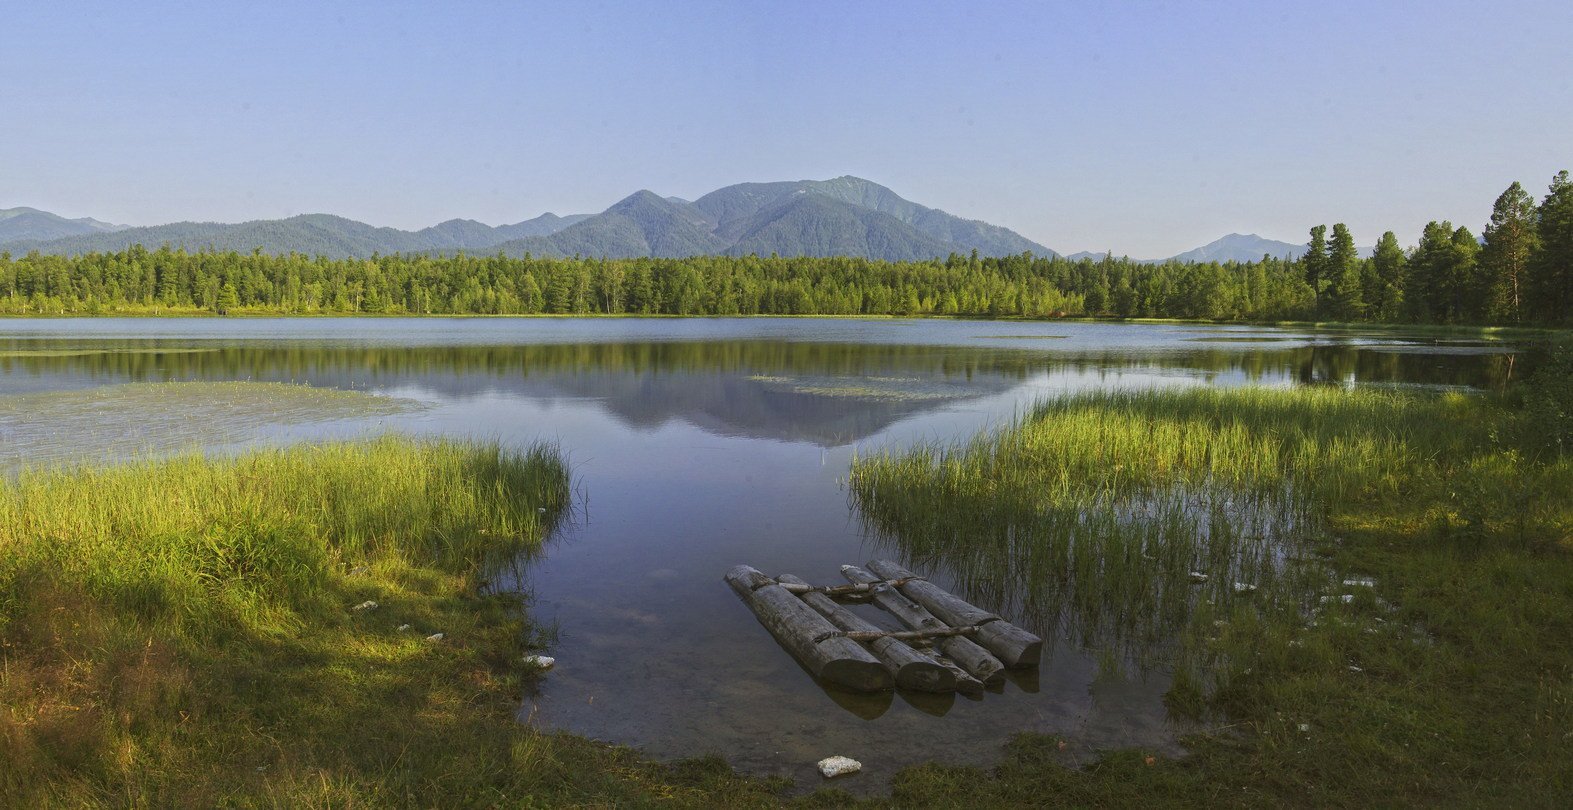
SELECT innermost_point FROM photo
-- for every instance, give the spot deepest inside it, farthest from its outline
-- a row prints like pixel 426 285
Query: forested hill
pixel 846 216
pixel 31 224
pixel 312 234
pixel 1521 272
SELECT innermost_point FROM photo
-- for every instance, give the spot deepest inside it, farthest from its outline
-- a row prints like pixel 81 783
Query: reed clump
pixel 1406 557
pixel 254 631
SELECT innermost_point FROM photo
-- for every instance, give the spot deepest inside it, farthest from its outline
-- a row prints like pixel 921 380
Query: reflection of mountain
pixel 826 393
pixel 814 392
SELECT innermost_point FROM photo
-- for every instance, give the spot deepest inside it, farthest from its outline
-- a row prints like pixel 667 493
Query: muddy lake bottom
pixel 696 445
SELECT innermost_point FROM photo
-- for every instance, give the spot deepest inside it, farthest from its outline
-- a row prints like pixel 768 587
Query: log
pixel 910 669
pixel 855 590
pixel 814 642
pixel 963 651
pixel 965 683
pixel 1013 645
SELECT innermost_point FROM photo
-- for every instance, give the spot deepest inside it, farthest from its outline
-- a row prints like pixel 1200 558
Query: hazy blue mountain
pixel 844 216
pixel 543 225
pixel 642 224
pixel 1240 247
pixel 31 224
pixel 733 204
pixel 810 225
pixel 311 234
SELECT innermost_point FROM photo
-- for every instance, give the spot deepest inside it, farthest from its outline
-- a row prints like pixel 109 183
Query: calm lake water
pixel 696 445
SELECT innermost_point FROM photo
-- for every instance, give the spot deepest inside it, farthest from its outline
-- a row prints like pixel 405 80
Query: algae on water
pixel 120 421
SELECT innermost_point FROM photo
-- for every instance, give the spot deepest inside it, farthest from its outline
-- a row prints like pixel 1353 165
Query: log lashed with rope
pixel 819 646
pixel 1011 644
pixel 974 659
pixel 911 669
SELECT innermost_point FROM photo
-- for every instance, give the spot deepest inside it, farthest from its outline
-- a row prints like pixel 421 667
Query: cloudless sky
pixel 1146 127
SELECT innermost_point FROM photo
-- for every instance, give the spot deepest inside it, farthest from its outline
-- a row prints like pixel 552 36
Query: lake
pixel 696 444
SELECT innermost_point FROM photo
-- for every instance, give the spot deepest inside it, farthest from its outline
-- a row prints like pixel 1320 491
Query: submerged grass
pixel 1448 677
pixel 185 633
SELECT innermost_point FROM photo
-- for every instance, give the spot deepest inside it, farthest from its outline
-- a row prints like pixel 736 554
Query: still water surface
pixel 696 445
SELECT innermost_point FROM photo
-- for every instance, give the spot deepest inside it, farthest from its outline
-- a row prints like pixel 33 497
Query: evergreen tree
pixel 1426 286
pixel 1315 263
pixel 1384 296
pixel 1552 267
pixel 1463 279
pixel 1511 241
pixel 228 299
pixel 1345 299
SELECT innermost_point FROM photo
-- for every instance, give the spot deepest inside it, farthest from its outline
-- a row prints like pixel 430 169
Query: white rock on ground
pixel 1360 583
pixel 542 661
pixel 366 605
pixel 832 767
pixel 434 637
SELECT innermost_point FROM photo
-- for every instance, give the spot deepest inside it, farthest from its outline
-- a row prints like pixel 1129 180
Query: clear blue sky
pixel 1146 127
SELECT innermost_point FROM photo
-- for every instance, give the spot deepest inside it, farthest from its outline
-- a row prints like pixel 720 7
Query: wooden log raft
pixel 911 669
pixel 1011 644
pixel 816 644
pixel 972 658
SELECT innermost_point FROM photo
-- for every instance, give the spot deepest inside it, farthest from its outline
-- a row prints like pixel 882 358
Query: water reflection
pixel 829 394
pixel 698 445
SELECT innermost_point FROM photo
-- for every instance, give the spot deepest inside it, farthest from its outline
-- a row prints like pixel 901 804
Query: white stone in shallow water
pixel 542 661
pixel 832 767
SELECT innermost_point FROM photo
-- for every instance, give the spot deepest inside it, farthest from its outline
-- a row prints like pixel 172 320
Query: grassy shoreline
pixel 1441 330
pixel 1447 679
pixel 185 632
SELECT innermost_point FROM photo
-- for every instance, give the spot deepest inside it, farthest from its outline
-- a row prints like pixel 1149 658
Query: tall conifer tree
pixel 1511 242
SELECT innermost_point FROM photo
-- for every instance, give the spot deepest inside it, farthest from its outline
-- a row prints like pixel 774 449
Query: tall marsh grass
pixel 184 631
pixel 1114 516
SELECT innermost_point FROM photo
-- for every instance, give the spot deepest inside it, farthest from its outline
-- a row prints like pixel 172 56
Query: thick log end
pixel 745 579
pixel 860 676
pixel 926 676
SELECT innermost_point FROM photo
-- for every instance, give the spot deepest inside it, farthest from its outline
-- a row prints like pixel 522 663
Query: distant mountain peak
pixel 845 215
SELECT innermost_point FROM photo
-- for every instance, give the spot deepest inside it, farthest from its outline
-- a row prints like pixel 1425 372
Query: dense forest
pixel 1520 271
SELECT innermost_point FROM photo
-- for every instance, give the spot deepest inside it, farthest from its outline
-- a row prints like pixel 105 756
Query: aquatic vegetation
pixel 1403 566
pixel 302 626
pixel 119 421
pixel 869 387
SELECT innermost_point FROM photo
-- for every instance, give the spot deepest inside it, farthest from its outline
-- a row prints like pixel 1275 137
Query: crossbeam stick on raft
pixel 972 658
pixel 1011 644
pixel 819 646
pixel 911 669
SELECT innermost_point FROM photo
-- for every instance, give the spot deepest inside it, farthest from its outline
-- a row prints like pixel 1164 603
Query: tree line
pixel 1520 272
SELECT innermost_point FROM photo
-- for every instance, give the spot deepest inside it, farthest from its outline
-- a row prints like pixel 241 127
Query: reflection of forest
pixel 708 383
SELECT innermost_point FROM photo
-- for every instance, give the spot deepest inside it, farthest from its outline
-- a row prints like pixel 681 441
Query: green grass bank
pixel 1407 640
pixel 183 633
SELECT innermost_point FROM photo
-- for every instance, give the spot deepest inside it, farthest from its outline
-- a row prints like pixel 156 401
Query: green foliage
pixel 1446 680
pixel 170 281
pixel 1548 400
pixel 1384 290
pixel 1552 266
pixel 1510 242
pixel 1345 296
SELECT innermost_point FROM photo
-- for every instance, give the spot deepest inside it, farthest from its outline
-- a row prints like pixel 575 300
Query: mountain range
pixel 845 216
